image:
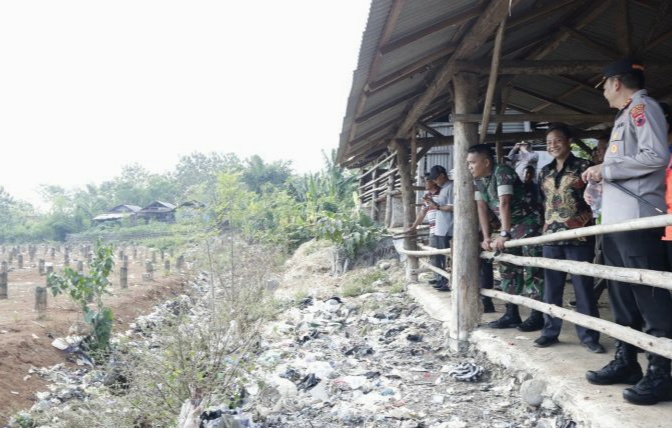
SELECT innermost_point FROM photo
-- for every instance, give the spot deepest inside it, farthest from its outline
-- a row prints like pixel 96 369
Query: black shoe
pixel 510 319
pixel 431 281
pixel 624 368
pixel 594 347
pixel 488 306
pixel 655 386
pixel 439 285
pixel 544 341
pixel 571 303
pixel 444 288
pixel 534 322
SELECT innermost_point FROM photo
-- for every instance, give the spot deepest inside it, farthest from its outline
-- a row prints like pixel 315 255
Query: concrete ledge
pixel 562 366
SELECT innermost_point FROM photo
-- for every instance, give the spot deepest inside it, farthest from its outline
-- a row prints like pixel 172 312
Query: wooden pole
pixel 123 277
pixel 626 226
pixel 3 285
pixel 465 300
pixel 636 276
pixel 390 200
pixel 657 345
pixel 408 202
pixel 41 301
pixel 374 196
pixel 492 81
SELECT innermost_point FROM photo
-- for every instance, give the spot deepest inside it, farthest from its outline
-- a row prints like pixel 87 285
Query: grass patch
pixel 361 282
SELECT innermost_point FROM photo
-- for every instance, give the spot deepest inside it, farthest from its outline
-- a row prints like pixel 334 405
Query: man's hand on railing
pixel 498 243
pixel 486 244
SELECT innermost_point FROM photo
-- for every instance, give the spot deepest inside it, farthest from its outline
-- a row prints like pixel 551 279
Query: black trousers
pixel 439 261
pixel 640 307
pixel 554 288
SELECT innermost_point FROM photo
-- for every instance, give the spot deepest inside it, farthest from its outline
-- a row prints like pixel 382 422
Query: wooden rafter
pixel 521 67
pixel 582 17
pixel 409 70
pixel 550 100
pixel 472 40
pixel 457 19
pixel 562 96
pixel 388 105
pixel 390 23
pixel 431 131
pixel 592 44
pixel 567 118
pixel 622 27
pixel 539 14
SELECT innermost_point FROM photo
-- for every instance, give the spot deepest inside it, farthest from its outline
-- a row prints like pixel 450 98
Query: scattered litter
pixel 468 372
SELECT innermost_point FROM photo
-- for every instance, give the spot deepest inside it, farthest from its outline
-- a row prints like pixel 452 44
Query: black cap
pixel 436 171
pixel 622 66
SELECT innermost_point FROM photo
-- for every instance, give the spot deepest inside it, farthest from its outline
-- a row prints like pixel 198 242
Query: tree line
pixel 264 201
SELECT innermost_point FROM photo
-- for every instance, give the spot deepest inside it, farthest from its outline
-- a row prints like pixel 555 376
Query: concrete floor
pixel 562 366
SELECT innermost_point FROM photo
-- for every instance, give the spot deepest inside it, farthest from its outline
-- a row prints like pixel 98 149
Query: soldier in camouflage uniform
pixel 500 190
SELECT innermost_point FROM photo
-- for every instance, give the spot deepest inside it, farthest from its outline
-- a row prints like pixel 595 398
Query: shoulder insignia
pixel 613 148
pixel 637 114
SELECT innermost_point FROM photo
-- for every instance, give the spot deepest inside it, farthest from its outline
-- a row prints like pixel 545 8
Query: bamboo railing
pixel 658 345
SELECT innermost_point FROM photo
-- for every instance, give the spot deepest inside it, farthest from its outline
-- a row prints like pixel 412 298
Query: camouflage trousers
pixel 523 280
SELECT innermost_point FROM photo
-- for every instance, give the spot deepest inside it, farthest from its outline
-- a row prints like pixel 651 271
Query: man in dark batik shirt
pixel 562 190
pixel 500 191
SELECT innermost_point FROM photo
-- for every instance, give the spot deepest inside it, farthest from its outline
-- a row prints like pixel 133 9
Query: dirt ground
pixel 25 340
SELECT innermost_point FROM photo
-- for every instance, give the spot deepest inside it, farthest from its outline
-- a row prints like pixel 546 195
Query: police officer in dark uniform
pixel 633 177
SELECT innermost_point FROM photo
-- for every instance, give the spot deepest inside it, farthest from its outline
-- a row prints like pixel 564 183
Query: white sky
pixel 89 86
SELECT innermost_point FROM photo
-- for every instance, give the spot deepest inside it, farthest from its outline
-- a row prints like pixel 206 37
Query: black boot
pixel 510 319
pixel 533 323
pixel 655 386
pixel 624 368
pixel 488 306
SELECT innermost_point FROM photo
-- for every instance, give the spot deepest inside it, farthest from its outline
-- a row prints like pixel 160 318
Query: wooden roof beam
pixel 567 118
pixel 592 44
pixel 388 105
pixel 539 13
pixel 651 40
pixel 472 40
pixel 511 136
pixel 458 19
pixel 408 70
pixel 622 27
pixel 549 100
pixel 522 67
pixel 390 23
pixel 425 127
pixel 583 17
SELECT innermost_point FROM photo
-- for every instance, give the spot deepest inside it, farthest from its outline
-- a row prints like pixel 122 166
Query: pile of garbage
pixel 375 360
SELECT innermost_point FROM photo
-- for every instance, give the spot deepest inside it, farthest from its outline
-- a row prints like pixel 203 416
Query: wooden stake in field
pixel 40 267
pixel 166 266
pixel 123 276
pixel 3 285
pixel 41 301
pixel 180 263
pixel 19 260
pixel 80 266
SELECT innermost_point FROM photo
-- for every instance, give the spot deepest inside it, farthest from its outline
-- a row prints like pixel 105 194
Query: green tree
pixel 258 173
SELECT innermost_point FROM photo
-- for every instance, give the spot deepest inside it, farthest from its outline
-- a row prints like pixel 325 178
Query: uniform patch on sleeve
pixel 637 114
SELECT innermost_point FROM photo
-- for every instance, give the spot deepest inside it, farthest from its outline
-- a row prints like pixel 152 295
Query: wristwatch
pixel 505 234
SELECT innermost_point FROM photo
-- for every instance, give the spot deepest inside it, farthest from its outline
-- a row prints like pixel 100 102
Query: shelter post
pixel 408 202
pixel 465 311
pixel 390 199
pixel 374 195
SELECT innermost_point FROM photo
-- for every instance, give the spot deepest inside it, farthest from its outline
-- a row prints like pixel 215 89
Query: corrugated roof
pixel 399 59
